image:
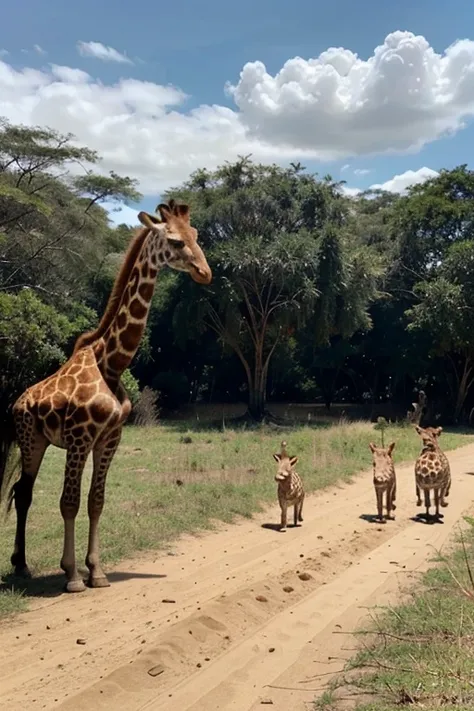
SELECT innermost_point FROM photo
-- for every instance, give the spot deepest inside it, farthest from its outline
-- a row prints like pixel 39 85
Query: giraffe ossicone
pixel 82 407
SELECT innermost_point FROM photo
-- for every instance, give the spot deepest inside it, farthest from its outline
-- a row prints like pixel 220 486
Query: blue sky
pixel 198 47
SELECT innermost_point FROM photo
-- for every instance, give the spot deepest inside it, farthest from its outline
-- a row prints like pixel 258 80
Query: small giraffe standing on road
pixel 82 407
pixel 432 470
pixel 290 487
pixel 385 481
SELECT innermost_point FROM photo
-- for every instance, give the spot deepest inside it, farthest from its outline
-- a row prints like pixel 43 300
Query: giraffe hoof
pixel 23 572
pixel 101 582
pixel 75 586
pixel 445 503
pixel 418 503
pixel 283 530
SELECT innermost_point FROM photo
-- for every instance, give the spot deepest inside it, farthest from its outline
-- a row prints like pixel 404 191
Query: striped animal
pixel 290 487
pixel 385 481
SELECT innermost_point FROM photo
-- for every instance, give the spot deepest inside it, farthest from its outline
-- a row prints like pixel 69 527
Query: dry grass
pixel 421 653
pixel 222 474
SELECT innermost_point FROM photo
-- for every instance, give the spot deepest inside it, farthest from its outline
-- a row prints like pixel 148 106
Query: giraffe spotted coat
pixel 432 471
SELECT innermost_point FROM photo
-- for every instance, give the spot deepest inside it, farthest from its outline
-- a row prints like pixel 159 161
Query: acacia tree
pixel 275 242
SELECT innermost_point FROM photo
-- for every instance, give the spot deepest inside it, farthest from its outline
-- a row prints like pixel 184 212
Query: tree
pixel 446 312
pixel 275 242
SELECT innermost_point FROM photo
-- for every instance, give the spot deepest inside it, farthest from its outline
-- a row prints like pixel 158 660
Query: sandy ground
pixel 230 620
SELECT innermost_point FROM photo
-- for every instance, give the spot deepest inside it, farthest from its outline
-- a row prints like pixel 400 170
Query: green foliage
pixel 33 336
pixel 280 260
pixel 131 386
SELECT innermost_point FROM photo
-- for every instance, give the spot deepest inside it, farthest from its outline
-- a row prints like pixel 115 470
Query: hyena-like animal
pixel 385 481
pixel 290 487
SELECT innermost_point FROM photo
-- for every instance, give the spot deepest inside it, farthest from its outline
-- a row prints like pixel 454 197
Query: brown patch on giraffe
pixel 145 270
pixel 85 392
pixel 100 411
pixel 59 401
pixel 111 344
pixel 44 408
pixel 49 388
pixel 137 309
pixel 131 336
pixel 80 414
pixel 121 320
pixel 146 291
pixel 52 421
pixel 92 430
pixel 66 384
pixel 424 470
pixel 118 361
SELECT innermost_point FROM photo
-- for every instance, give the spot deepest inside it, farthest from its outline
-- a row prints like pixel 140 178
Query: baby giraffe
pixel 290 487
pixel 432 471
pixel 385 480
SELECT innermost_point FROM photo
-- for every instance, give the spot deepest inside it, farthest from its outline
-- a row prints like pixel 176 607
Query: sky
pixel 373 93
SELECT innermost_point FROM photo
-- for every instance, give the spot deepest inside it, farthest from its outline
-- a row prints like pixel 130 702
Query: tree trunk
pixel 257 394
pixel 464 384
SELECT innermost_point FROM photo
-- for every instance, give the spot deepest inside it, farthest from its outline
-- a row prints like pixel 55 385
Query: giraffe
pixel 290 487
pixel 82 407
pixel 385 480
pixel 432 470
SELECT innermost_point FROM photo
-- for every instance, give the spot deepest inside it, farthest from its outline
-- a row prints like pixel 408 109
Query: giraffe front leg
pixel 379 496
pixel 22 495
pixel 283 516
pixel 69 505
pixel 103 455
pixel 300 511
pixel 418 497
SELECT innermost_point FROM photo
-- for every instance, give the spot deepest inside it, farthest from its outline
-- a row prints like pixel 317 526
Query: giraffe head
pixel 382 458
pixel 429 436
pixel 285 463
pixel 177 240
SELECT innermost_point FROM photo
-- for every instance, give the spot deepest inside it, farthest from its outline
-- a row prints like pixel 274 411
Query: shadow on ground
pixel 53 585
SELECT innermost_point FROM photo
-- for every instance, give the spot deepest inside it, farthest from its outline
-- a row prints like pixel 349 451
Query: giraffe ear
pixel 277 458
pixel 391 447
pixel 293 461
pixel 418 429
pixel 372 446
pixel 438 431
pixel 148 220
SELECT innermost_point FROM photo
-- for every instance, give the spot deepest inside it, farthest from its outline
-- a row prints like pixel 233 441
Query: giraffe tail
pixel 9 459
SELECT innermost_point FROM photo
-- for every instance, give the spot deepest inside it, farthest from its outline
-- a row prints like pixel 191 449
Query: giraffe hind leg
pixel 103 455
pixel 427 503
pixel 32 454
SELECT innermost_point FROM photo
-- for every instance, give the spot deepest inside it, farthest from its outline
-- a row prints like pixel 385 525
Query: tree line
pixel 316 296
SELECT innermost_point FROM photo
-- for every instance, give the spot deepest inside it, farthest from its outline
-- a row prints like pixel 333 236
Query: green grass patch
pixel 222 474
pixel 419 654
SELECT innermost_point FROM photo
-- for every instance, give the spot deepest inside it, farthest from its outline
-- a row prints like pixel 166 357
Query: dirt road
pixel 229 617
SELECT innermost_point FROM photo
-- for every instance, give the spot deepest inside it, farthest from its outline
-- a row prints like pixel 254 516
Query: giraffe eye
pixel 176 242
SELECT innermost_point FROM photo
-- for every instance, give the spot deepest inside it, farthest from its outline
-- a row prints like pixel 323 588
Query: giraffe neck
pixel 122 338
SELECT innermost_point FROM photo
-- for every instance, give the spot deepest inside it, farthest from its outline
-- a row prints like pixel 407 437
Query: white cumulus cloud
pixel 399 183
pixel 39 50
pixel 336 105
pixel 101 51
pixel 362 171
pixel 339 105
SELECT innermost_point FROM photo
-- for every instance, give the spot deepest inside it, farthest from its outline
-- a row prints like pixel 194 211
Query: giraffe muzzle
pixel 201 276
